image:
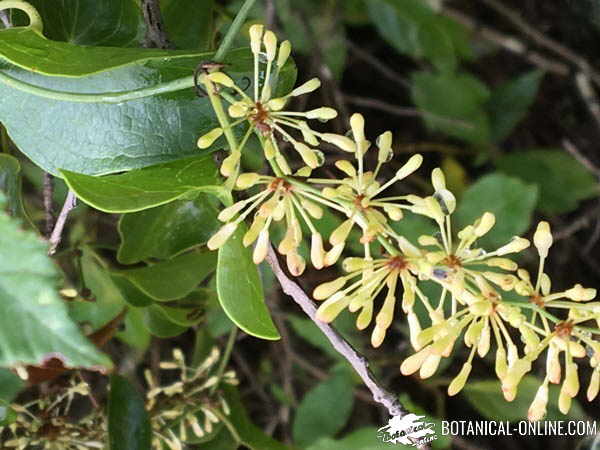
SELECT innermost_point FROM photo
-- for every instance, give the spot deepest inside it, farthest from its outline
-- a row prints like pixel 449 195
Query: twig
pixel 572 149
pixel 156 35
pixel 270 14
pixel 56 235
pixel 48 192
pixel 588 95
pixel 378 65
pixel 358 362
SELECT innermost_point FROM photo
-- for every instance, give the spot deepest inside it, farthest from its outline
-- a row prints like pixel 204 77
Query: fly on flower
pixel 264 113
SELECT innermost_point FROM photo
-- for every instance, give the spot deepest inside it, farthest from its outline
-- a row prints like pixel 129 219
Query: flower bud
pixel 393 212
pixel 247 180
pixel 384 142
pixel 311 85
pixel 502 263
pixel 357 124
pixel 537 410
pixel 237 110
pixel 473 332
pixel 378 335
pixel 516 245
pixel 414 362
pixel 437 179
pixel 252 234
pixel 209 138
pixel 317 253
pixel 481 308
pixel 322 113
pixel 285 48
pixel 364 318
pixel 580 294
pixel 340 234
pixel 228 213
pixel 564 401
pixel 220 237
pixel 484 224
pixel 256 32
pixel 308 155
pixel 283 164
pixel 277 104
pixel 261 247
pixel 221 78
pixel 333 254
pixel 483 347
pixel 346 167
pixel 571 383
pixel 459 382
pixel 415 328
pixel 501 366
pixel 343 142
pixel 542 238
pixel 229 165
pixel 295 263
pixel 270 41
pixel 430 366
pixel 331 308
pixel 409 167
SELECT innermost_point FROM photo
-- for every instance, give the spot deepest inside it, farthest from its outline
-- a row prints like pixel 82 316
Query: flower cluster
pixel 487 301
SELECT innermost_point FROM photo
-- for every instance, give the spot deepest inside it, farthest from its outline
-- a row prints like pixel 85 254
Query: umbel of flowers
pixel 487 302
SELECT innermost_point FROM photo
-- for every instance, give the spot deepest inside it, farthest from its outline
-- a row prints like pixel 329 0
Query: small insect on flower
pixel 265 113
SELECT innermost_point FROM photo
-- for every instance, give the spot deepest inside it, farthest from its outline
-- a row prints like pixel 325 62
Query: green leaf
pixel 97 22
pixel 412 226
pixel 130 292
pixel 159 324
pixel 240 289
pixel 148 187
pixel 128 422
pixel 486 397
pixel 106 302
pixel 165 231
pixel 453 104
pixel 510 102
pixel 34 324
pixel 511 200
pixel 562 180
pixel 26 49
pixel 97 138
pixel 249 434
pixel 174 278
pixel 10 385
pixel 361 439
pixel 190 310
pixel 135 333
pixel 189 24
pixel 325 409
pixel 414 29
pixel 10 185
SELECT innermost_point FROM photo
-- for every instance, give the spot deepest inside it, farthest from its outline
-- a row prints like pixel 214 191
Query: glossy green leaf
pixel 107 138
pixel 413 28
pixel 562 180
pixel 28 50
pixel 249 434
pixel 92 22
pixel 148 187
pixel 174 278
pixel 128 422
pixel 158 323
pixel 510 102
pixel 106 300
pixel 453 104
pixel 34 324
pixel 189 310
pixel 134 332
pixel 511 200
pixel 486 397
pixel 188 23
pixel 314 418
pixel 10 385
pixel 130 292
pixel 240 289
pixel 167 230
pixel 10 185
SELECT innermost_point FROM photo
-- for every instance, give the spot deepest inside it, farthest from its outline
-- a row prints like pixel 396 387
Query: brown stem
pixel 48 192
pixel 56 235
pixel 156 36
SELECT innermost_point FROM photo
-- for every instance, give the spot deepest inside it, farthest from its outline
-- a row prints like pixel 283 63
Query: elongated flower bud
pixel 516 245
pixel 261 247
pixel 484 224
pixel 228 213
pixel 384 142
pixel 221 236
pixel 542 238
pixel 221 78
pixel 333 254
pixel 256 32
pixel 311 85
pixel 537 410
pixel 501 366
pixel 346 167
pixel 230 164
pixel 415 328
pixel 564 401
pixel 323 113
pixel 409 167
pixel 209 138
pixel 594 385
pixel 414 362
pixel 252 234
pixel 340 234
pixel 270 41
pixel 284 53
pixel 307 154
pixel 580 294
pixel 295 263
pixel 357 124
pixel 571 383
pixel 459 382
pixel 437 179
pixel 247 180
pixel 331 308
pixel 430 366
pixel 343 142
pixel 326 290
pixel 317 254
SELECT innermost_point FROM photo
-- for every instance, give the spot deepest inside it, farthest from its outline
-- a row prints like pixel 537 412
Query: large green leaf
pixel 413 28
pixel 510 102
pixel 486 397
pixel 453 104
pixel 167 230
pixel 240 289
pixel 314 418
pixel 361 439
pixel 562 180
pixel 157 322
pixel 27 49
pixel 128 422
pixel 92 22
pixel 173 278
pixel 188 23
pixel 34 324
pixel 148 187
pixel 511 200
pixel 97 138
